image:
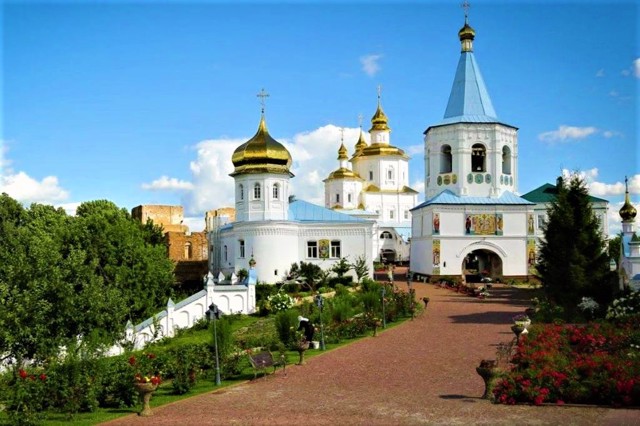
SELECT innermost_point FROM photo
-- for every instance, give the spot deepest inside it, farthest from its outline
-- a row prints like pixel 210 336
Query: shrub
pixel 74 384
pixel 26 398
pixel 624 307
pixel 279 302
pixel 116 389
pixel 286 324
pixel 183 370
pixel 587 364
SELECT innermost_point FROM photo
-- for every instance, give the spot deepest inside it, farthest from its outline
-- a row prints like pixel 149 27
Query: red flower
pixel 151 356
pixel 156 380
pixel 132 360
pixel 23 374
pixel 43 377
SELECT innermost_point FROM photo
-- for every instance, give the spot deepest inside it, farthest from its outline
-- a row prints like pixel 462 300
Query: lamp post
pixel 383 291
pixel 320 304
pixel 613 265
pixel 214 315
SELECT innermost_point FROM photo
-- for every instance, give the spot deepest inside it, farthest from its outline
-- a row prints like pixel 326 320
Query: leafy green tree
pixel 573 261
pixel 341 267
pixel 360 267
pixel 65 277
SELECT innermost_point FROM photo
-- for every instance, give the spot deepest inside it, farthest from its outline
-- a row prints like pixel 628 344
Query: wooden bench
pixel 261 360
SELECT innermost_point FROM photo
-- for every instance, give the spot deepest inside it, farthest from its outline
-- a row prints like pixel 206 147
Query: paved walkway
pixel 421 372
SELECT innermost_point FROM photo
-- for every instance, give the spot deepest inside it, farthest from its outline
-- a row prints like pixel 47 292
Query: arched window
pixel 241 244
pixel 276 191
pixel 386 235
pixel 241 191
pixel 226 254
pixel 428 165
pixel 506 160
pixel 446 161
pixel 257 192
pixel 188 250
pixel 390 173
pixel 478 158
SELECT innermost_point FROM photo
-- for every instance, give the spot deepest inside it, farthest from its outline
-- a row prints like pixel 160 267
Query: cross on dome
pixel 263 95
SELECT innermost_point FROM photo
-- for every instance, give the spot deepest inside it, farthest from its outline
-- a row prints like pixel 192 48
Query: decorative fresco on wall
pixel 531 256
pixel 499 223
pixel 482 224
pixel 436 223
pixel 323 248
pixel 530 228
pixel 436 253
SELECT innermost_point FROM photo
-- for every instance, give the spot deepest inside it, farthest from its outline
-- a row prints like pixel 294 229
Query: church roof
pixel 469 100
pixel 447 197
pixel 303 211
pixel 261 154
pixel 547 193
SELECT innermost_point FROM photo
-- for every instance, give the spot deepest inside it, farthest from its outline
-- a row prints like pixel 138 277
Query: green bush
pixel 116 389
pixel 183 370
pixel 286 325
pixel 74 384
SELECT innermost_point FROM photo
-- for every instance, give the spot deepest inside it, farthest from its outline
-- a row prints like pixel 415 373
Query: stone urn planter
pixel 145 390
pixel 302 347
pixel 376 325
pixel 486 370
pixel 517 330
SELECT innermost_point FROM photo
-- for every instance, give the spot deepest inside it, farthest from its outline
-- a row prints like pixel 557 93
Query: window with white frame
pixel 392 214
pixel 225 254
pixel 312 249
pixel 337 198
pixel 406 214
pixel 241 249
pixel 349 197
pixel 335 249
pixel 241 191
pixel 370 174
pixel 257 191
pixel 276 191
pixel 188 250
pixel 390 173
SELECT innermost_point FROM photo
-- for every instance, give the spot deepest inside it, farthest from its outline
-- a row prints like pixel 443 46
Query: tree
pixel 341 267
pixel 360 267
pixel 573 261
pixel 65 277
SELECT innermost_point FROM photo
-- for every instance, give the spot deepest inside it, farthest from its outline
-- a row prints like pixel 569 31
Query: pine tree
pixel 573 261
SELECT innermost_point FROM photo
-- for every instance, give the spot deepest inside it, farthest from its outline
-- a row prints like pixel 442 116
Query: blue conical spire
pixel 469 101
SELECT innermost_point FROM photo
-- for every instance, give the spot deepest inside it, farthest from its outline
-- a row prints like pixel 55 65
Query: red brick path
pixel 421 372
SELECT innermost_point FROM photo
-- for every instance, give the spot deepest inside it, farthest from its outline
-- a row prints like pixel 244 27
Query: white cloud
pixel 195 223
pixel 636 68
pixel 567 133
pixel 415 149
pixel 370 64
pixel 168 184
pixel 601 189
pixel 212 185
pixel 26 189
pixel 600 73
pixel 611 134
pixel 69 208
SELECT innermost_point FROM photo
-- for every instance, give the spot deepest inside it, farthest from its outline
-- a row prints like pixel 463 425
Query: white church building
pixel 374 184
pixel 273 230
pixel 472 221
pixel 629 262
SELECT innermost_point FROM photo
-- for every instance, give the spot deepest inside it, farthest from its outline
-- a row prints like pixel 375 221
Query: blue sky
pixel 143 103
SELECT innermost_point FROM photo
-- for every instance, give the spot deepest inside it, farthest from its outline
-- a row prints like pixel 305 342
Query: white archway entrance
pixel 480 263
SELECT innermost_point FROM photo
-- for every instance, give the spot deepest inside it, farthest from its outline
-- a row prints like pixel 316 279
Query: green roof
pixel 547 193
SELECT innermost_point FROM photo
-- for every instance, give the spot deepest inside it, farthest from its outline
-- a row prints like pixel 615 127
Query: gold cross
pixel 262 95
pixel 465 5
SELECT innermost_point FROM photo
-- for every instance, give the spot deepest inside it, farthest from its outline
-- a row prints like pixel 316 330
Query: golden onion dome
pixel 383 150
pixel 342 152
pixel 343 173
pixel 261 154
pixel 466 32
pixel 627 212
pixel 379 120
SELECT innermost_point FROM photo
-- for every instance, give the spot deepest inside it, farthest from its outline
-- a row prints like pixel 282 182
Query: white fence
pixel 230 297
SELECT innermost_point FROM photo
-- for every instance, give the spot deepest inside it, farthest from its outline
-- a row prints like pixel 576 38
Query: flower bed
pixel 596 363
